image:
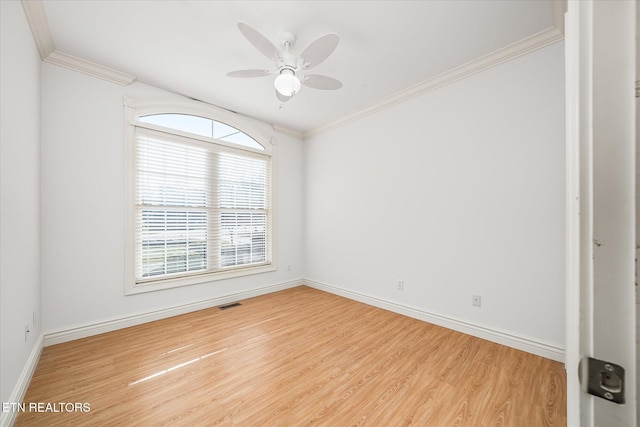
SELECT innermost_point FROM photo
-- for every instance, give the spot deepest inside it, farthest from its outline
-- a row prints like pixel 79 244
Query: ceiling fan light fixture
pixel 287 83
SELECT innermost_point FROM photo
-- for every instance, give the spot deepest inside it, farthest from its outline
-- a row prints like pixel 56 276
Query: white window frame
pixel 133 110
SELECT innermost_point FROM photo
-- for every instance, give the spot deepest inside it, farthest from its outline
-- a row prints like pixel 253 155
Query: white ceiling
pixel 386 46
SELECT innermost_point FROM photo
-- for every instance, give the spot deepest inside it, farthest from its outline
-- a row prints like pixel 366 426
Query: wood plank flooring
pixel 295 358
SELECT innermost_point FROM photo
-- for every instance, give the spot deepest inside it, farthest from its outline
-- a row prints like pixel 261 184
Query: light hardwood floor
pixel 295 358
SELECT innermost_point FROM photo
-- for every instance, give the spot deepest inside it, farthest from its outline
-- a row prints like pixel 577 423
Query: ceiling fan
pixel 290 69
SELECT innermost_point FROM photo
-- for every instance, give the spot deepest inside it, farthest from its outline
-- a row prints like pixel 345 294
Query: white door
pixel 600 39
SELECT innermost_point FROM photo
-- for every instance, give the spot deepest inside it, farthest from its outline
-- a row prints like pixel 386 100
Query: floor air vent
pixel 230 305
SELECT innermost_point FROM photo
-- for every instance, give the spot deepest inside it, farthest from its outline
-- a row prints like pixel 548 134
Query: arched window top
pixel 202 126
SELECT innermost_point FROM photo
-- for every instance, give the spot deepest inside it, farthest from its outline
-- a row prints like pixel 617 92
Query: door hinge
pixel 602 379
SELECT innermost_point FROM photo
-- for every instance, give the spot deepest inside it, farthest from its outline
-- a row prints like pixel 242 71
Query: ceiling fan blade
pixel 317 81
pixel 282 97
pixel 320 50
pixel 249 73
pixel 260 42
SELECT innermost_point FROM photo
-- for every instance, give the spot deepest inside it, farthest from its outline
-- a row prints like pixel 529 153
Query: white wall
pixel 83 208
pixel 20 289
pixel 459 191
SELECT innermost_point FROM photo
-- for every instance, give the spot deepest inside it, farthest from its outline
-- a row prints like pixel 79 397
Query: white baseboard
pixel 509 339
pixel 108 325
pixel 8 418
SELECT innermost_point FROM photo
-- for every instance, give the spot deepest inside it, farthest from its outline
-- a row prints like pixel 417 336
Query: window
pixel 200 200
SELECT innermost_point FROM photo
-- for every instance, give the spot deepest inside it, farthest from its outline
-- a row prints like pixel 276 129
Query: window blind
pixel 200 207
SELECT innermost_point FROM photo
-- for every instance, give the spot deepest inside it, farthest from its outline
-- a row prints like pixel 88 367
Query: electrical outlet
pixel 401 285
pixel 476 300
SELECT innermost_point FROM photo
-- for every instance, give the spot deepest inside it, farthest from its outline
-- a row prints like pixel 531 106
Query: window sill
pixel 160 284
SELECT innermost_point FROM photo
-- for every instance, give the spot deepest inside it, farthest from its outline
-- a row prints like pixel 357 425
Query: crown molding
pixel 37 18
pixel 91 68
pixel 502 55
pixel 287 131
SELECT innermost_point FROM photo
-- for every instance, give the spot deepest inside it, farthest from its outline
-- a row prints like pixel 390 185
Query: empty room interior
pixel 283 213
